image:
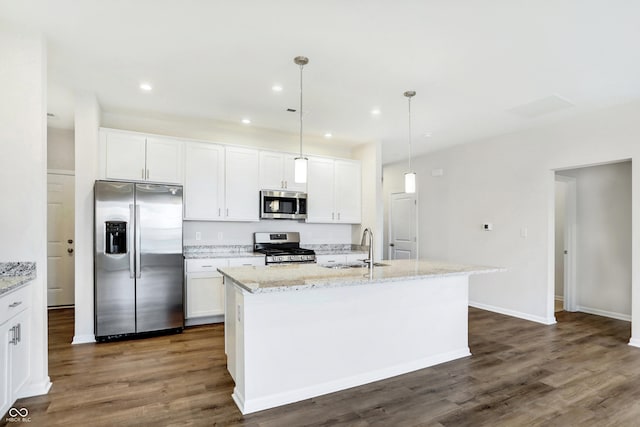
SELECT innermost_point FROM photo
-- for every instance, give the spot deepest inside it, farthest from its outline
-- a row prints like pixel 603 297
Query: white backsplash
pixel 241 233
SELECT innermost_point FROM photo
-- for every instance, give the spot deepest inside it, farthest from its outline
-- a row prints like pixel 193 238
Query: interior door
pixel 60 228
pixel 403 226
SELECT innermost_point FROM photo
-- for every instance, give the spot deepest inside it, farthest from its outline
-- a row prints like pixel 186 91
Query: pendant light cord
pixel 410 170
pixel 301 67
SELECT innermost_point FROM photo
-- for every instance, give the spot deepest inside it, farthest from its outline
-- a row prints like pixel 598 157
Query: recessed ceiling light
pixel 246 121
pixel 328 135
pixel 276 88
pixel 375 112
pixel 145 86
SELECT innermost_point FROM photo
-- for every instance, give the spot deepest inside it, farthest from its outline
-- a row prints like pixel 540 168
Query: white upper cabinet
pixel 348 191
pixel 125 156
pixel 334 190
pixel 242 184
pixel 204 181
pixel 164 160
pixel 320 190
pixel 137 157
pixel 277 172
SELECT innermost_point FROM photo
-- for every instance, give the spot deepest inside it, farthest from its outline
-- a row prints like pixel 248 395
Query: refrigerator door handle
pixel 137 248
pixel 132 261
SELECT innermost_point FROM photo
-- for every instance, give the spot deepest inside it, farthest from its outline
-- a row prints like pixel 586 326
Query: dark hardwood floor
pixel 578 372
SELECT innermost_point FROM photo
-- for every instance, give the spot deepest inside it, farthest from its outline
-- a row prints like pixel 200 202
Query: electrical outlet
pixel 198 235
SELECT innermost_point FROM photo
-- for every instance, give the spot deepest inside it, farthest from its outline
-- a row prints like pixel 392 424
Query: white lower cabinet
pixel 204 302
pixel 15 327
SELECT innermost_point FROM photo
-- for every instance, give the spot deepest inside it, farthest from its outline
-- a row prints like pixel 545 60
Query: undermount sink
pixel 354 265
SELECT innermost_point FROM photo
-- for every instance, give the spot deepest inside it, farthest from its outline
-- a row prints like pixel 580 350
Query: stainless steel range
pixel 281 248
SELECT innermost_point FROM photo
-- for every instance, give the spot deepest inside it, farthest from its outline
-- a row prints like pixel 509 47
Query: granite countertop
pixel 241 251
pixel 13 275
pixel 275 278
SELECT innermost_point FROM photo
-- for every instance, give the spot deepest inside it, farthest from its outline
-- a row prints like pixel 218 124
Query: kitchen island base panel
pixel 290 346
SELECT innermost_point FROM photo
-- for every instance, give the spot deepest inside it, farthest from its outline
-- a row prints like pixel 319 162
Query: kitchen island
pixel 297 331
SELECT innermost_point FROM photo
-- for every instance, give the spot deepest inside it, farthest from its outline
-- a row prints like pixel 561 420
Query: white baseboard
pixel 513 313
pixel 559 298
pixel 83 339
pixel 604 313
pixel 35 389
pixel 266 402
pixel 634 342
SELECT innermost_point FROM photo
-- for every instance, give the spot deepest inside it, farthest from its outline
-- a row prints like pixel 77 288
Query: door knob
pixel 70 250
pixel 391 244
pixel 70 241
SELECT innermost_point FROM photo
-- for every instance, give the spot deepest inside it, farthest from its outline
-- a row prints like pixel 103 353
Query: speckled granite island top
pixel 276 278
pixel 15 274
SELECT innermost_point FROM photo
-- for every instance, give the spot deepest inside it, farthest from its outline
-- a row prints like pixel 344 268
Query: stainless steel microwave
pixel 283 204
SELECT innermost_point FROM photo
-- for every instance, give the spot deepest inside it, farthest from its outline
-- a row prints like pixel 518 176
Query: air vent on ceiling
pixel 542 106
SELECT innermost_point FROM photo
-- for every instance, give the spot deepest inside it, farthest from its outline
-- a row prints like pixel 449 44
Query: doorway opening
pixel 593 240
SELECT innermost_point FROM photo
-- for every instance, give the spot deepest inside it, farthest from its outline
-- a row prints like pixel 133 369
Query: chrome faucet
pixel 365 233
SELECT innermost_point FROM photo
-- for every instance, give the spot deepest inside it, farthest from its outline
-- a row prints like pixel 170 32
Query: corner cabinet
pixel 15 331
pixel 334 190
pixel 137 157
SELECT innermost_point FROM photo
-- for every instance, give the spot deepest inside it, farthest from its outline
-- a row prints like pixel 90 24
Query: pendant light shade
pixel 410 182
pixel 410 177
pixel 300 169
pixel 300 163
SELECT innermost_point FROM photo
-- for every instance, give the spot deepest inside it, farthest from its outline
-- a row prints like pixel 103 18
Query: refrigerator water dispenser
pixel 115 237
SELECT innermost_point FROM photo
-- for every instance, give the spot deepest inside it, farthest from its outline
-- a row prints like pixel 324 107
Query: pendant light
pixel 300 163
pixel 410 177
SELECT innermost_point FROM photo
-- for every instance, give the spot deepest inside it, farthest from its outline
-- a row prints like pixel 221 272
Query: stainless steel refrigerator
pixel 138 259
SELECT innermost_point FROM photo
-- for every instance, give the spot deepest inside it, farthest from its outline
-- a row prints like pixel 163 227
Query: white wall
pixel 603 238
pixel 23 165
pixel 60 149
pixel 241 233
pixel 372 201
pixel 560 212
pixel 226 133
pixel 509 181
pixel 87 122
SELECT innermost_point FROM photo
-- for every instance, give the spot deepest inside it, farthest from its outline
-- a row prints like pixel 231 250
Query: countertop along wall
pixel 509 181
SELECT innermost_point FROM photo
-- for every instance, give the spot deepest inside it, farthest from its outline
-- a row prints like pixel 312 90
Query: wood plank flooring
pixel 578 372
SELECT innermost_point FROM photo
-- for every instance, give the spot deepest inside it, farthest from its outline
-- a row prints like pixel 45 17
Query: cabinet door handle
pixel 338 216
pixel 207 266
pixel 142 173
pixel 19 329
pixel 227 211
pixel 281 184
pixel 333 216
pixel 285 184
pixel 13 336
pixel 147 173
pixel 218 211
pixel 15 304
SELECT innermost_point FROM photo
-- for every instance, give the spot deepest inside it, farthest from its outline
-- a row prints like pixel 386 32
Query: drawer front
pixel 14 302
pixel 247 261
pixel 205 265
pixel 331 259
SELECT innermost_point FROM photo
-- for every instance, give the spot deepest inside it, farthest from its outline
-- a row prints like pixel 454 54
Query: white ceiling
pixel 474 64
